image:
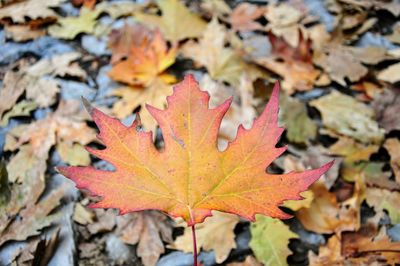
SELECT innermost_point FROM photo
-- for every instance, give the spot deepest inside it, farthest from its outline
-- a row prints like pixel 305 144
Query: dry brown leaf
pixel 326 215
pixel 177 22
pixel 215 233
pixel 387 108
pixel 393 147
pixel 382 199
pixel 242 109
pixel 222 63
pixel 133 97
pixel 352 151
pixel 390 74
pixel 34 217
pixel 22 11
pixel 342 62
pixel 243 16
pixel 148 229
pixel 22 33
pixel 330 254
pixel 293 64
pixel 66 125
pixel 284 22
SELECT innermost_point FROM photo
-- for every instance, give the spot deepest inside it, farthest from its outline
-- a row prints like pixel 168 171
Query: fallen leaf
pixel 147 229
pixel 132 97
pixel 22 11
pixel 326 215
pixel 23 33
pixel 176 22
pixel 346 116
pixel 293 64
pixel 23 108
pixel 393 147
pixel 5 192
pixel 147 60
pixel 330 254
pixel 121 40
pixel 242 109
pixel 390 74
pixel 270 240
pixel 284 22
pixel 342 62
pixel 215 234
pixel 66 126
pixel 243 16
pixel 191 190
pixel 82 215
pixel 352 151
pixel 34 217
pixel 300 128
pixel 70 27
pixel 222 63
pixel 382 199
pixel 387 106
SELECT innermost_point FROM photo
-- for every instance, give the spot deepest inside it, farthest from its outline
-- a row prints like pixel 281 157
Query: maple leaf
pixel 177 21
pixel 147 60
pixel 191 177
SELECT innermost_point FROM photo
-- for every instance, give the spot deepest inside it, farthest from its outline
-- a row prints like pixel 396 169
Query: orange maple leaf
pixel 146 61
pixel 191 177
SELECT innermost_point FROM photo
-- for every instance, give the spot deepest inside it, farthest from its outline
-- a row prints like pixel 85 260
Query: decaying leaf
pixel 387 106
pixel 190 177
pixel 270 240
pixel 147 229
pixel 215 234
pixel 346 116
pixel 147 60
pixel 176 23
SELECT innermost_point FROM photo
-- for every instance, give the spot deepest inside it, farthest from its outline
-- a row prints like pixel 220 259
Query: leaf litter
pixel 339 101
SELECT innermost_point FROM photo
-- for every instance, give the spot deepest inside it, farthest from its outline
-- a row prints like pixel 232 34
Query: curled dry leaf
pixel 181 180
pixel 176 22
pixel 215 234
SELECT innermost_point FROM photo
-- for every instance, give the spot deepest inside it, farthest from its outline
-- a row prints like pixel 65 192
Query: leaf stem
pixel 194 246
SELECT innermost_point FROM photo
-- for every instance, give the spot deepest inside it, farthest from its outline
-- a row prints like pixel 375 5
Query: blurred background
pixel 338 65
